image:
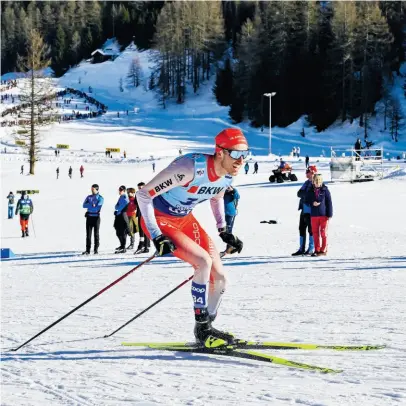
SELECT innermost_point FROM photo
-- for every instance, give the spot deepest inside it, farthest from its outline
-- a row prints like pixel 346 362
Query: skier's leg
pixel 96 235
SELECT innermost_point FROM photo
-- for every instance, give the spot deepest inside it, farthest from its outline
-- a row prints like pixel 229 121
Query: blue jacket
pixel 304 204
pixel 324 198
pixel 93 204
pixel 121 204
pixel 231 202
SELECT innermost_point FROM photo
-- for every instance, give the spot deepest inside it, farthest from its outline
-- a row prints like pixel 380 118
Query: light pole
pixel 270 95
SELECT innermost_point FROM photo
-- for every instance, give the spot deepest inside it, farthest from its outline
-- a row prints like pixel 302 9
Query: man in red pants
pixel 166 203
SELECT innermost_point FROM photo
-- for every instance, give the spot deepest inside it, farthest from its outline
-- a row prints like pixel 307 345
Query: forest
pixel 325 60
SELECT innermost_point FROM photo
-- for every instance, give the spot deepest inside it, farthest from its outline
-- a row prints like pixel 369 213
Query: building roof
pixel 107 52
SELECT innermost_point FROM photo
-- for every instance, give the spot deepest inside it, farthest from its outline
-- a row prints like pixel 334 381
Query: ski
pixel 232 351
pixel 262 345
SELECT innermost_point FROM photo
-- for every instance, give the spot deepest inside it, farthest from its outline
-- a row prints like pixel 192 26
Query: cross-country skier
pixel 166 203
pixel 25 208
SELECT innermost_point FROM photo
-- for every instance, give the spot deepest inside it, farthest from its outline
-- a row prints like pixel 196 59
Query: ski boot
pixel 26 232
pixel 121 250
pixel 139 250
pixel 301 250
pixel 96 251
pixel 145 250
pixel 131 246
pixel 206 335
pixel 86 252
pixel 310 250
pixel 23 234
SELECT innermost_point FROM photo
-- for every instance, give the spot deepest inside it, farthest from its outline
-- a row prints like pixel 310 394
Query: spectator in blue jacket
pixel 321 206
pixel 93 203
pixel 120 223
pixel 305 220
pixel 231 198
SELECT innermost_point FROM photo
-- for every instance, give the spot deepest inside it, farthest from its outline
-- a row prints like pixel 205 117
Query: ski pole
pixel 151 306
pixel 33 228
pixel 85 302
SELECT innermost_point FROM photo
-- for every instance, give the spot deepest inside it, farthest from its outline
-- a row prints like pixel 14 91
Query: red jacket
pixel 132 207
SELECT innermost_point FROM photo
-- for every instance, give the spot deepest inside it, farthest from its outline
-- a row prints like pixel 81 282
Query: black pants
pixel 144 240
pixel 305 224
pixel 121 230
pixel 92 223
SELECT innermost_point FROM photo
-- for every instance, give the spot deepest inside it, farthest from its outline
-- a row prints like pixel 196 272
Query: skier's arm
pixel 217 207
pixel 121 204
pixel 179 173
pixel 32 206
pixel 100 202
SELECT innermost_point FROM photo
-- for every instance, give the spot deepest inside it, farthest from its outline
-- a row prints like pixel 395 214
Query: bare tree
pixel 135 72
pixel 36 108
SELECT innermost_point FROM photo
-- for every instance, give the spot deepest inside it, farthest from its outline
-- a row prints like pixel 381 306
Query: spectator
pixel 246 168
pixel 70 172
pixel 93 203
pixel 57 173
pixel 307 161
pixel 282 164
pixel 153 166
pixel 357 147
pixel 22 170
pixel 256 167
pixel 81 170
pixel 25 207
pixel 120 223
pixel 132 220
pixel 305 219
pixel 125 155
pixel 294 151
pixel 56 153
pixel 10 198
pixel 145 243
pixel 231 199
pixel 321 205
pixel 298 152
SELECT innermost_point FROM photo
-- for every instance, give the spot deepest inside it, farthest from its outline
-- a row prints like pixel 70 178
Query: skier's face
pixel 229 164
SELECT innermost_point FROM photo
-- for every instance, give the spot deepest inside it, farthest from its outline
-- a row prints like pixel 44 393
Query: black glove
pixel 163 245
pixel 232 241
pixel 115 212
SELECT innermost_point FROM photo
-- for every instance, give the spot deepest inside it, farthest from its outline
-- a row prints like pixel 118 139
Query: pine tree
pixel 35 94
pixel 223 88
pixel 58 57
pixel 135 72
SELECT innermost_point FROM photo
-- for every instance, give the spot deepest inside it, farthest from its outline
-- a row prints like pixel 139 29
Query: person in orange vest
pixel 81 169
pixel 131 212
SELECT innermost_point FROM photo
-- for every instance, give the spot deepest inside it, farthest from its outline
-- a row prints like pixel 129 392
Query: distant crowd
pixel 8 84
pixel 76 115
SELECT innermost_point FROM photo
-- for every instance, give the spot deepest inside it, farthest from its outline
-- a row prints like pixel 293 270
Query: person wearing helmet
pixel 167 202
pixel 304 219
pixel 93 203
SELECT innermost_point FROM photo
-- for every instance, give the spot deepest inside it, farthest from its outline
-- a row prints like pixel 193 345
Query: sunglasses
pixel 234 154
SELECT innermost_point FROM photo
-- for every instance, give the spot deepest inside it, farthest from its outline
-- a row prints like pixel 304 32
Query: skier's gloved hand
pixel 163 245
pixel 232 241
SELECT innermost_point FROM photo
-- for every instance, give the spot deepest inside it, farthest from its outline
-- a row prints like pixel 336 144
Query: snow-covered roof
pixel 107 51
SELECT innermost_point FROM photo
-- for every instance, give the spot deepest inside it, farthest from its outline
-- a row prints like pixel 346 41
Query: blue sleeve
pixel 236 195
pixel 329 204
pixel 122 202
pixel 100 203
pixel 86 203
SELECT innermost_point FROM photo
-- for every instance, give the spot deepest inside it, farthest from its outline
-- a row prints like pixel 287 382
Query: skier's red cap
pixel 312 169
pixel 229 138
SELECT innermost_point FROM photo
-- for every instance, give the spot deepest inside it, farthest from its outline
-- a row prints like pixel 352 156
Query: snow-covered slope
pixel 355 295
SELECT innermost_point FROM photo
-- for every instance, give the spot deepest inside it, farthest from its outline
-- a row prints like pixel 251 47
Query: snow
pixel 355 295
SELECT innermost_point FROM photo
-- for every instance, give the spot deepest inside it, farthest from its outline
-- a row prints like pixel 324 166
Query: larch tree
pixel 36 93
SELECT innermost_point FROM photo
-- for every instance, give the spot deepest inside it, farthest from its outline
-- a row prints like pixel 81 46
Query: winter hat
pixel 312 169
pixel 229 138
